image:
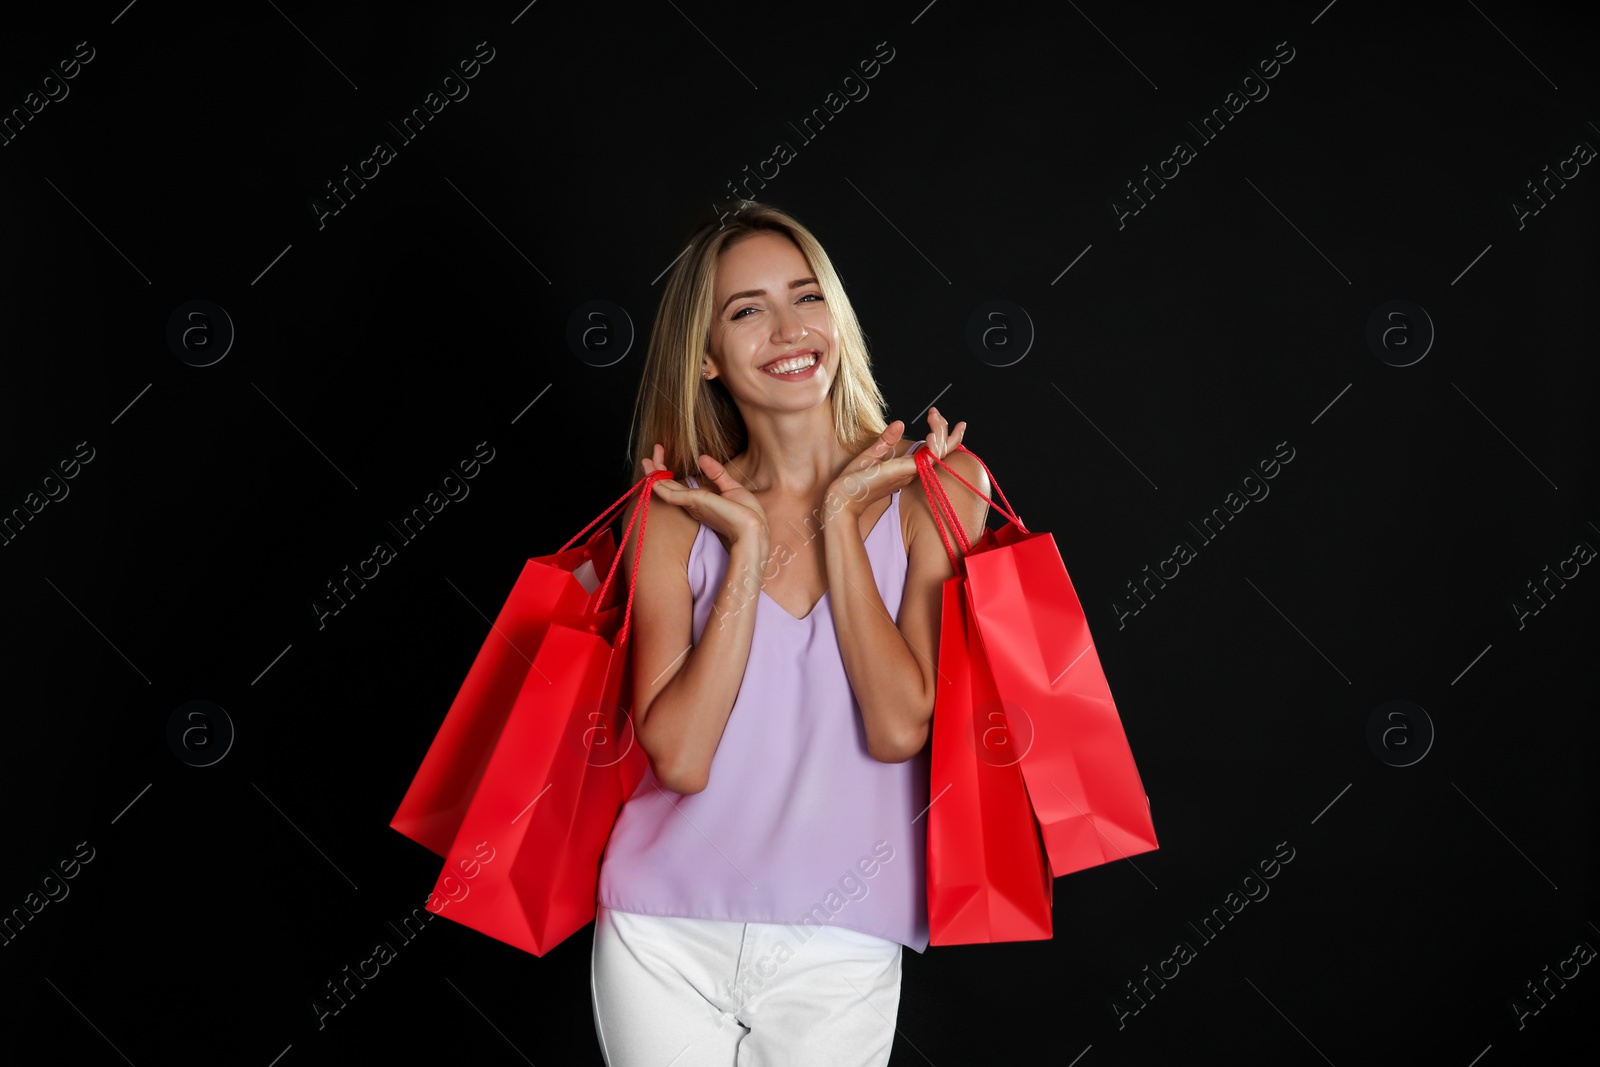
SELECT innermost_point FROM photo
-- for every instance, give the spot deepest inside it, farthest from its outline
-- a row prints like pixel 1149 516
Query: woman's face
pixel 768 308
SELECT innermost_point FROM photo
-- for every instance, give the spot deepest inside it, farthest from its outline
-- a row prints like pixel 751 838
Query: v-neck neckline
pixel 894 501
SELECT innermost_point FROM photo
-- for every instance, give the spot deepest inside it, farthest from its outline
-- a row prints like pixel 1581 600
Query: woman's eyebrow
pixel 797 283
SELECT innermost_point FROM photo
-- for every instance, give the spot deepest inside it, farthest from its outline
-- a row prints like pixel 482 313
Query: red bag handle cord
pixel 642 517
pixel 1006 511
pixel 634 488
pixel 938 502
pixel 936 492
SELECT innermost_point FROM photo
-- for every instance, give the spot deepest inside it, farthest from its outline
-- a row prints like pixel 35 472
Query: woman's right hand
pixel 731 510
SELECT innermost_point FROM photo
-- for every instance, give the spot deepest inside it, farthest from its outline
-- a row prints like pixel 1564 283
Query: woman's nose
pixel 787 325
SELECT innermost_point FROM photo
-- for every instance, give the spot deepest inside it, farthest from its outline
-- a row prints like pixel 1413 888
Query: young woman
pixel 758 886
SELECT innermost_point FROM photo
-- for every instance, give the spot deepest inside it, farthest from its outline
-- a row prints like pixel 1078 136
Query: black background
pixel 1182 346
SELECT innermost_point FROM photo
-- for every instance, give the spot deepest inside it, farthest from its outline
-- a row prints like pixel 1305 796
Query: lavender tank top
pixel 798 825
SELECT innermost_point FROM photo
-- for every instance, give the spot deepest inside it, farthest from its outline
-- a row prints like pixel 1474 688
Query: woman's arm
pixel 892 667
pixel 682 693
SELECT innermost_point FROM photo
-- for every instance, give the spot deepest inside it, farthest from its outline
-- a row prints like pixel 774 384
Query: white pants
pixel 671 992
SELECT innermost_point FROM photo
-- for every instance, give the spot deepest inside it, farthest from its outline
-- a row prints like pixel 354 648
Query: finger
pixel 719 474
pixel 880 448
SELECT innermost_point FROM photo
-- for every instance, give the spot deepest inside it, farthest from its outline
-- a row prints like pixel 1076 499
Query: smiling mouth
pixel 792 364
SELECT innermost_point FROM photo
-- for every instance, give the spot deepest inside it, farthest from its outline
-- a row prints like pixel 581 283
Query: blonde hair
pixel 690 415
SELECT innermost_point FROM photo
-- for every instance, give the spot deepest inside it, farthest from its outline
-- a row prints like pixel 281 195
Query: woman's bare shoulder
pixel 666 528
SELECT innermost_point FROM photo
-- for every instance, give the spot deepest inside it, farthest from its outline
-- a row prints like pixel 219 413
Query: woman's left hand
pixel 871 477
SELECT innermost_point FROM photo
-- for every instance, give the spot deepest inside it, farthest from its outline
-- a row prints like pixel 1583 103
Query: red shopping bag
pixel 1082 782
pixel 987 876
pixel 560 587
pixel 525 860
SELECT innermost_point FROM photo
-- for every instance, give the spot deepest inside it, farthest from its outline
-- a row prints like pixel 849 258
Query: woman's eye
pixel 740 313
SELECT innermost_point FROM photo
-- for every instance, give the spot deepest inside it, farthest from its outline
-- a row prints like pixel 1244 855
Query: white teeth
pixel 790 366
